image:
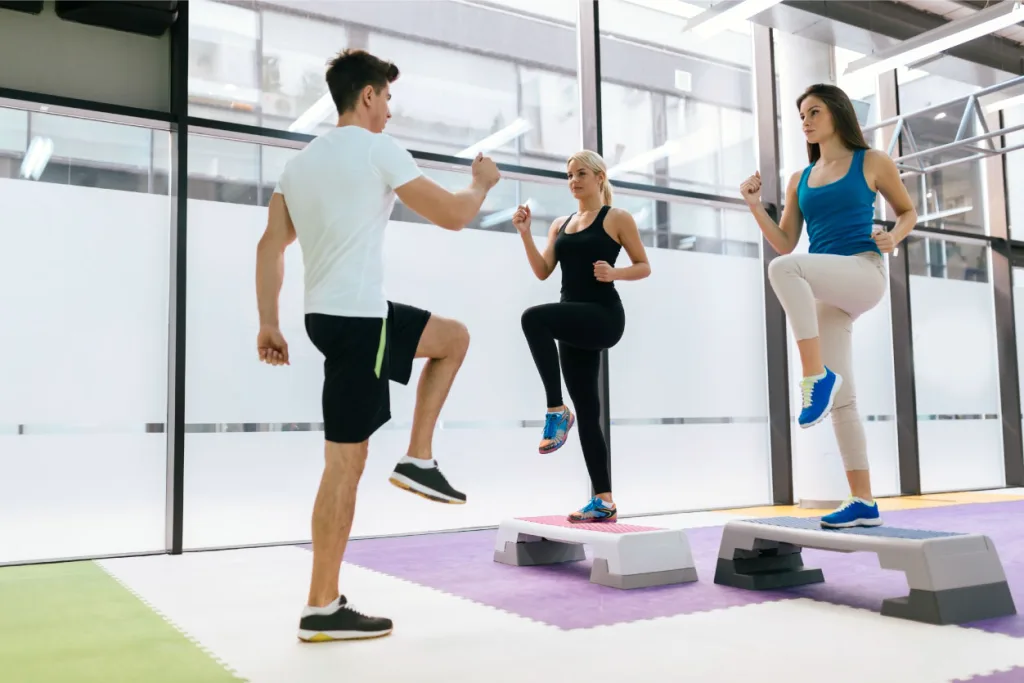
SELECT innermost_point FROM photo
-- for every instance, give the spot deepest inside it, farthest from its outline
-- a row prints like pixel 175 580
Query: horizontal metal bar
pixel 950 235
pixel 663 194
pixel 85 109
pixel 944 105
pixel 280 138
pixel 960 143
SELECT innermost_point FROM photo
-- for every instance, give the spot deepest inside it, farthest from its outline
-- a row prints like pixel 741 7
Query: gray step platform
pixel 625 556
pixel 954 578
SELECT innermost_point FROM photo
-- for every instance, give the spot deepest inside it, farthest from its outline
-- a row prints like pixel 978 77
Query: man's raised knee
pixel 459 339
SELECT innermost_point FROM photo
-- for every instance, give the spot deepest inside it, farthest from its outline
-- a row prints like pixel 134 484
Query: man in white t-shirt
pixel 336 197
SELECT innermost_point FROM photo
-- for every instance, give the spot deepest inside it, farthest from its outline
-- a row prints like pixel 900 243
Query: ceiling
pixel 867 26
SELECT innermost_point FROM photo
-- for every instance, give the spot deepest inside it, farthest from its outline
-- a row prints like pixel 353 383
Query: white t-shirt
pixel 340 192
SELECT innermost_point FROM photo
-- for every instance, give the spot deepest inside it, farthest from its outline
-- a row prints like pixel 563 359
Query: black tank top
pixel 577 252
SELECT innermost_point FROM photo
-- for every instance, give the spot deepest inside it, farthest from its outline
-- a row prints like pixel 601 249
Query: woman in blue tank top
pixel 842 276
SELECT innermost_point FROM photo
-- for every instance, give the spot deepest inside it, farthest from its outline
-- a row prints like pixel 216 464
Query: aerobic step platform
pixel 954 578
pixel 625 556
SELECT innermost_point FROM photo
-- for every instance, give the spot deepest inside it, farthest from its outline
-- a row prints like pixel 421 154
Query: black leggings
pixel 583 330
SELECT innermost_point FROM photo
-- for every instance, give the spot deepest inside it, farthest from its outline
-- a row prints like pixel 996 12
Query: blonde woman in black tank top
pixel 588 318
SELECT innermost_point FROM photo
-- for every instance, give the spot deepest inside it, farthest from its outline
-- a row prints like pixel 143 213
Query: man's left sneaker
pixel 428 481
pixel 595 511
pixel 854 512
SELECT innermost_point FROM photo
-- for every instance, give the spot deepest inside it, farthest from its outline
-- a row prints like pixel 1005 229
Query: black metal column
pixel 588 43
pixel 902 326
pixel 1006 327
pixel 766 110
pixel 176 326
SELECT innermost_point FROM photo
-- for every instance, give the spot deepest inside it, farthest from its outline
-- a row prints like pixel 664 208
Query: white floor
pixel 243 606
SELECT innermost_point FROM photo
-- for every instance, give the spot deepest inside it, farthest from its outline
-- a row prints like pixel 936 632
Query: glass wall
pixel 84 290
pixel 677 108
pixel 255 442
pixel 83 447
pixel 466 83
pixel 689 395
pixel 955 361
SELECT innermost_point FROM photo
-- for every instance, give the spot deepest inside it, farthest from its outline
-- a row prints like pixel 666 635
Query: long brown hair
pixel 844 117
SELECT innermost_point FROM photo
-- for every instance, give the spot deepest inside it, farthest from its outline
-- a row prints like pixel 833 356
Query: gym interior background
pixel 139 147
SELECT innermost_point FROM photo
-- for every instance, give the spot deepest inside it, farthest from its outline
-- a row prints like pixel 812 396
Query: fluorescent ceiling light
pixel 314 116
pixel 36 158
pixel 499 217
pixel 944 214
pixel 683 10
pixel 715 20
pixel 495 140
pixel 1007 103
pixel 645 159
pixel 999 16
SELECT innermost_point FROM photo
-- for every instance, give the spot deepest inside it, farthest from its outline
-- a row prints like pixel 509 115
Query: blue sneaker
pixel 818 396
pixel 556 430
pixel 595 511
pixel 854 512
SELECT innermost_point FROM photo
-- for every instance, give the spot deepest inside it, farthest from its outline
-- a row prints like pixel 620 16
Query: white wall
pixel 68 59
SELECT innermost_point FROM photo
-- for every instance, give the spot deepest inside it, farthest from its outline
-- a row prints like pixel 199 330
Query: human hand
pixel 485 171
pixel 603 272
pixel 522 219
pixel 885 241
pixel 272 347
pixel 750 189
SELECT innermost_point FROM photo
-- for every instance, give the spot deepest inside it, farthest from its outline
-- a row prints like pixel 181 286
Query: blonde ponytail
pixel 593 162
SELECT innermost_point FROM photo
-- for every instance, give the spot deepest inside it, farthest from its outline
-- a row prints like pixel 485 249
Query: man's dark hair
pixel 353 70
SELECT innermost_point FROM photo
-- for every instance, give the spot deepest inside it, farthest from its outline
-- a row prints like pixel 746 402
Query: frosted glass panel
pixel 478 277
pixel 84 289
pixel 689 398
pixel 957 384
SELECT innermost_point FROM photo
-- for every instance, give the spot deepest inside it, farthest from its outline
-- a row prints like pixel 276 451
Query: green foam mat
pixel 74 623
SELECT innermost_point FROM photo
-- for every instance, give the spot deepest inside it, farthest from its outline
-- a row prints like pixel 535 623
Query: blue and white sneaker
pixel 818 395
pixel 595 511
pixel 854 512
pixel 556 430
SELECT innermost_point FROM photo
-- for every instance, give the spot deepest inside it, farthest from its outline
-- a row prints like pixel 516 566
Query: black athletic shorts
pixel 361 355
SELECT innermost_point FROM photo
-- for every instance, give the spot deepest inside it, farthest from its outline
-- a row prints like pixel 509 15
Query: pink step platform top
pixel 605 527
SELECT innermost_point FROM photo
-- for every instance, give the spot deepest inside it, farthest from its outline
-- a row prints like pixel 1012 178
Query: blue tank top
pixel 839 215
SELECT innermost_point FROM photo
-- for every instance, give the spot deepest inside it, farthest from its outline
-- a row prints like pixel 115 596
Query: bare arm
pixel 785 235
pixel 542 264
pixel 624 228
pixel 280 232
pixel 888 182
pixel 448 210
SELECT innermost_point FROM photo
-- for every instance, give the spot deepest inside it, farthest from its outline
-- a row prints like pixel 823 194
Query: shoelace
pixel 551 424
pixel 806 388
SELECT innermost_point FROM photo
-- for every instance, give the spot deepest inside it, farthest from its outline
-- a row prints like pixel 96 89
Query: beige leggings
pixel 822 295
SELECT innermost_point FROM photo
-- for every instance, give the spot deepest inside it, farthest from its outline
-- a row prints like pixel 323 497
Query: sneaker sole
pixel 828 408
pixel 406 484
pixel 604 520
pixel 551 449
pixel 331 636
pixel 850 525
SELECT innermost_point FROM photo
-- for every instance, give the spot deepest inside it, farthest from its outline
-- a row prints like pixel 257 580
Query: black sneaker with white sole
pixel 344 623
pixel 427 482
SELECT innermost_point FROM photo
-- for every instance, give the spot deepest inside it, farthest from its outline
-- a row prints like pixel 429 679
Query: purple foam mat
pixel 1014 675
pixel 561 595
